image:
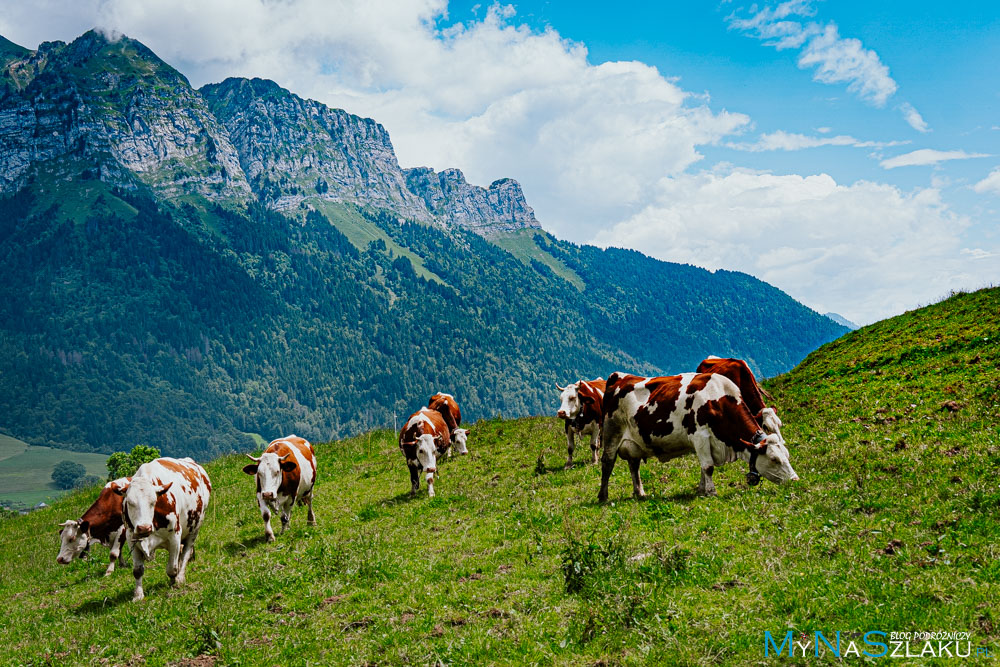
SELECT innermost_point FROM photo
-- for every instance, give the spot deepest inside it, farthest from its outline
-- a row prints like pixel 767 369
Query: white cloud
pixel 913 117
pixel 989 184
pixel 927 156
pixel 862 250
pixel 789 141
pixel 833 58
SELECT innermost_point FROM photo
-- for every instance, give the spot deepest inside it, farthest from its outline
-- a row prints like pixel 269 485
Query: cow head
pixel 140 496
pixel 268 469
pixel 461 438
pixel 570 401
pixel 427 456
pixel 75 537
pixel 769 458
pixel 770 421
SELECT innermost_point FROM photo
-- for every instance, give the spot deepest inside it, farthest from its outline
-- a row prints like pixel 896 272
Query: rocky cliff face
pixel 292 149
pixel 448 196
pixel 115 107
pixel 112 108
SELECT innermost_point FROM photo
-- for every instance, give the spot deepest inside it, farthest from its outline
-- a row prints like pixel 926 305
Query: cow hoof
pixel 270 538
pixel 640 497
pixel 311 523
pixel 138 597
pixel 602 497
pixel 568 466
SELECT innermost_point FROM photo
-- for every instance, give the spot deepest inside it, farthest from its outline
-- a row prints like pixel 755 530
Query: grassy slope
pixel 475 575
pixel 26 476
pixel 522 245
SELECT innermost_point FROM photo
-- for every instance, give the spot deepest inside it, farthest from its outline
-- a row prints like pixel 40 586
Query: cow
pixel 452 415
pixel 580 409
pixel 699 413
pixel 424 437
pixel 163 507
pixel 753 394
pixel 100 524
pixel 286 473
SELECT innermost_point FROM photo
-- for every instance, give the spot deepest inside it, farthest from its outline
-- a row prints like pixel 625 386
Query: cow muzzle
pixel 267 495
pixel 561 414
pixel 144 530
pixel 62 560
pixel 753 478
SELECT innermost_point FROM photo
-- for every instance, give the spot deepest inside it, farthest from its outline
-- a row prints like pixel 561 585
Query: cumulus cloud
pixel 789 141
pixel 833 59
pixel 989 184
pixel 927 156
pixel 862 250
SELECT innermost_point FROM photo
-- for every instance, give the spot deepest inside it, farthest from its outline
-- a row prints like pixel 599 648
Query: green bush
pixel 66 474
pixel 124 464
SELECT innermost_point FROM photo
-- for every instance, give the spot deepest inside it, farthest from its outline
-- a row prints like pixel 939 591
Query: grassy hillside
pixel 26 470
pixel 893 527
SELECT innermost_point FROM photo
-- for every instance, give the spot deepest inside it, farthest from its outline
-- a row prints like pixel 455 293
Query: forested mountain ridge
pixel 185 268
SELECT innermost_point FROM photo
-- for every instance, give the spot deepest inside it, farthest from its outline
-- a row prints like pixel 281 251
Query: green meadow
pixel 26 470
pixel 893 429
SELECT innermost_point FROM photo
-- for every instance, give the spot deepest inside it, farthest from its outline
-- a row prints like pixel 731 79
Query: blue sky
pixel 857 167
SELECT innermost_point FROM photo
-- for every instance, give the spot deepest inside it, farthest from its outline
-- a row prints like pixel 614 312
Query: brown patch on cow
pixel 105 515
pixel 289 478
pixel 698 382
pixel 618 386
pixel 448 408
pixel 741 375
pixel 165 507
pixel 191 475
pixel 730 421
pixel 436 427
pixel 653 417
pixel 194 516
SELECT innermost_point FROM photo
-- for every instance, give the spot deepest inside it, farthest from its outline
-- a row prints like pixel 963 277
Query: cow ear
pixel 84 526
pixel 250 469
pixel 164 489
pixel 288 466
pixel 120 490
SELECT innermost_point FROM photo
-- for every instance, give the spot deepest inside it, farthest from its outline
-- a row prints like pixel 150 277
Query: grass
pixel 522 245
pixel 360 232
pixel 26 470
pixel 893 527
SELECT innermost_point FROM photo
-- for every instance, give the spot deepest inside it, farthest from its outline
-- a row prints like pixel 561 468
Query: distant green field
pixel 26 470
pixel 522 245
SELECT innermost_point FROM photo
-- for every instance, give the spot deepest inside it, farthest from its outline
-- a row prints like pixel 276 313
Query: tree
pixel 66 474
pixel 123 464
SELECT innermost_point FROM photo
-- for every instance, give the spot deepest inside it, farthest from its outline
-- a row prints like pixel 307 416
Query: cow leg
pixel 265 513
pixel 138 569
pixel 174 547
pixel 703 450
pixel 115 550
pixel 570 446
pixel 286 514
pixel 414 479
pixel 187 555
pixel 611 434
pixel 595 443
pixel 637 490
pixel 310 518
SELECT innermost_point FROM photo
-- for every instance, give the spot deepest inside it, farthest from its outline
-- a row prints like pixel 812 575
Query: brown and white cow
pixel 163 507
pixel 452 415
pixel 580 408
pixel 285 472
pixel 753 394
pixel 100 524
pixel 424 437
pixel 699 413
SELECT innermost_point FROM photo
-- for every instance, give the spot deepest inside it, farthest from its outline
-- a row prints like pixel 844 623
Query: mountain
pixel 892 429
pixel 195 269
pixel 842 321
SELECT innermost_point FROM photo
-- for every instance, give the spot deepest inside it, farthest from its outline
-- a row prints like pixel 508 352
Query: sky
pixel 846 152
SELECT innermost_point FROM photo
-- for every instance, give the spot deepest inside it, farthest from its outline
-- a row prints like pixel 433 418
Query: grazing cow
pixel 285 472
pixel 100 524
pixel 580 408
pixel 163 507
pixel 753 394
pixel 424 437
pixel 452 415
pixel 700 413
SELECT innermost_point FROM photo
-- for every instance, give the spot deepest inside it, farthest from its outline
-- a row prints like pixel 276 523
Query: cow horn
pixel 253 458
pixel 560 388
pixel 408 442
pixel 750 444
pixel 66 523
pixel 285 457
